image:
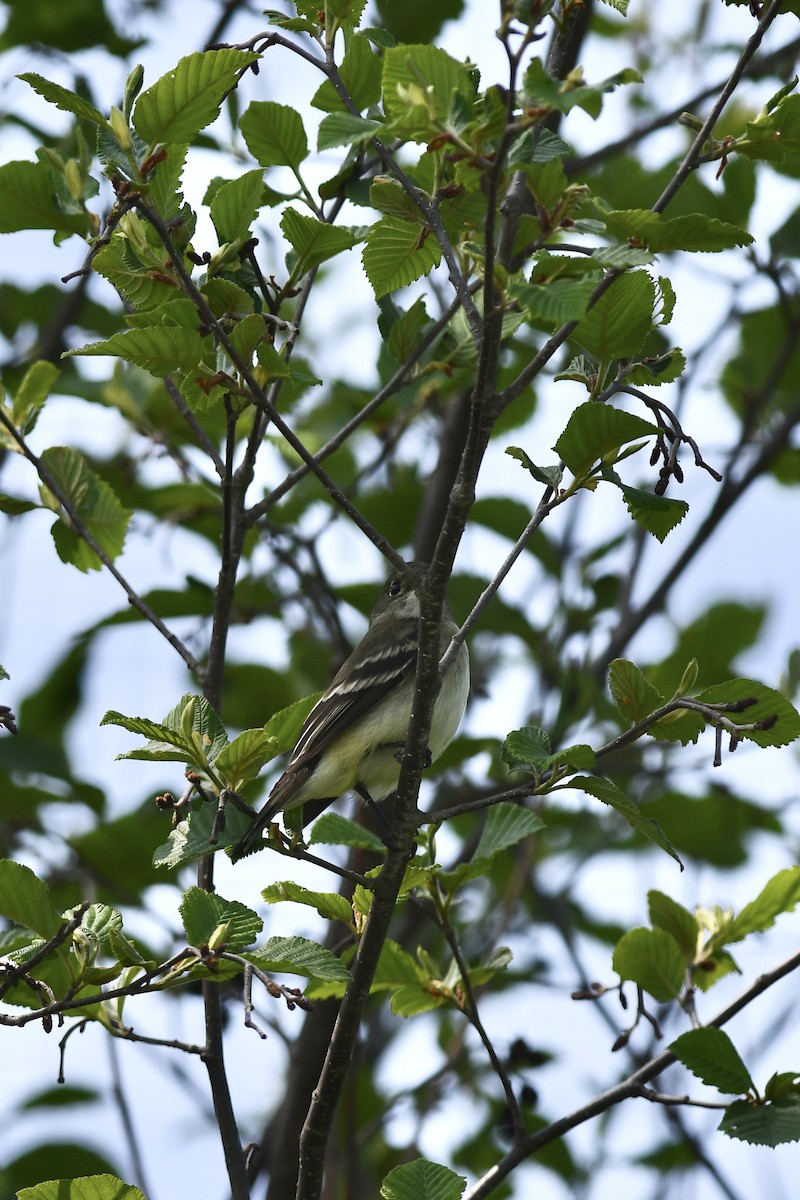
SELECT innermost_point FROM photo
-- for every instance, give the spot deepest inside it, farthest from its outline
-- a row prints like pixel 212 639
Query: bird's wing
pixel 371 672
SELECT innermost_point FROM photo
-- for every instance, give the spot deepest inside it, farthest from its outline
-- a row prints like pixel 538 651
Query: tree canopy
pixel 509 290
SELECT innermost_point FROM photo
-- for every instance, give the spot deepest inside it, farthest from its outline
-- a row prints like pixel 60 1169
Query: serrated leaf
pixel 360 72
pixel 25 899
pixel 391 198
pixel 781 894
pixel 418 83
pixel 192 728
pixel 315 241
pixel 89 1187
pixel 203 912
pixel 652 372
pixel 658 515
pixel 506 825
pixel 711 1055
pixel 609 793
pixel 543 90
pixel 142 287
pixel 617 324
pixel 37 384
pixel 422 1180
pixel 242 759
pixel 329 905
pixel 633 694
pixel 693 231
pixel 406 333
pixel 63 98
pixel 161 349
pixel 344 129
pixel 274 134
pixel 549 476
pixel 32 196
pixel 763 1124
pixel 769 704
pixel 595 430
pixel 188 97
pixel 665 913
pixel 554 303
pixel 652 959
pixel 299 956
pixel 783 1084
pixel 235 205
pixel 191 838
pixel 527 747
pixel 93 503
pixel 397 253
pixel 331 829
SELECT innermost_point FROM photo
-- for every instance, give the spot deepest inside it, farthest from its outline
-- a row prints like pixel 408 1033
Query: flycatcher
pixel 354 735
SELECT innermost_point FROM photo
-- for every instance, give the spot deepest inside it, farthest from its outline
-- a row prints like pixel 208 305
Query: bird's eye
pixel 395 587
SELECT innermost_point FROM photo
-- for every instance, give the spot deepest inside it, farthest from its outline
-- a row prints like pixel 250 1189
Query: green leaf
pixel 89 1187
pixel 203 912
pixel 93 503
pixel 285 725
pixel 188 97
pixel 391 198
pixel 37 384
pixel 763 1124
pixel 344 129
pixel 609 793
pixel 549 476
pixel 398 252
pixel 527 747
pixel 711 1055
pixel 406 333
pixel 781 894
pixel 191 732
pixel 161 350
pixel 419 83
pixel 242 759
pixel 783 1084
pixel 331 829
pixel 542 90
pixel 506 825
pixel 191 838
pixel 782 718
pixel 617 324
pixel 32 196
pixel 633 695
pixel 315 241
pixel 329 905
pixel 63 98
pixel 658 515
pixel 299 956
pixel 774 136
pixel 422 1180
pixel 694 231
pixel 595 430
pixel 140 285
pixel 653 372
pixel 651 958
pixel 25 899
pixel 554 303
pixel 274 134
pixel 360 72
pixel 665 913
pixel 236 204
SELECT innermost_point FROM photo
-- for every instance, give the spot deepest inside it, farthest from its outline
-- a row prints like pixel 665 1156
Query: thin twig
pixel 624 1090
pixel 80 529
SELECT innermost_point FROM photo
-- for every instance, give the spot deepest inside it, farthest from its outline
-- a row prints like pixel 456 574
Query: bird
pixel 353 738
